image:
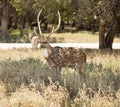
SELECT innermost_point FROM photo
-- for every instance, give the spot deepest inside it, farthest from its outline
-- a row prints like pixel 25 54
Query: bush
pixel 24 71
pixel 28 78
pixel 89 98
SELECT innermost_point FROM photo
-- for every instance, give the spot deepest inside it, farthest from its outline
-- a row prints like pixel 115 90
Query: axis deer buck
pixel 59 57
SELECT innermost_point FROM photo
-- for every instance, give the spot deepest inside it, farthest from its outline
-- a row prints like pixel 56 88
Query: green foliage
pixel 97 76
pixel 77 13
pixel 21 6
pixel 31 82
pixel 23 72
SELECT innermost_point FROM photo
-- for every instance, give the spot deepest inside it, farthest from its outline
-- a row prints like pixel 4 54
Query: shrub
pixel 28 78
pixel 15 73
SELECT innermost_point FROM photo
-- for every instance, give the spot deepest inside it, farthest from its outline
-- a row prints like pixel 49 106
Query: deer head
pixel 45 39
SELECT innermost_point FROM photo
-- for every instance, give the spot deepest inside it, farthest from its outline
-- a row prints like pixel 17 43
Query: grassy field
pixel 77 37
pixel 26 80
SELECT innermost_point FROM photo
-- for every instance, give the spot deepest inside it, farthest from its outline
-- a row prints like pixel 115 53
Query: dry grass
pixel 27 81
pixel 18 54
pixel 79 37
pixel 27 97
pixel 65 37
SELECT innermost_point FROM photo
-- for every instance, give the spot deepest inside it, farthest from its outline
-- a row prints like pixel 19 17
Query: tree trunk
pixel 45 25
pixel 110 35
pixel 106 41
pixel 62 25
pixel 21 30
pixel 4 21
pixel 101 34
pixel 21 26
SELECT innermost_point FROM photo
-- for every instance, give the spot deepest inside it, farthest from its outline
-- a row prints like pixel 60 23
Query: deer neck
pixel 46 51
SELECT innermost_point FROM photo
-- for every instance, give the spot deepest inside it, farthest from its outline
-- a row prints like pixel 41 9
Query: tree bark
pixel 62 25
pixel 110 35
pixel 45 25
pixel 113 26
pixel 106 41
pixel 101 34
pixel 21 26
pixel 4 20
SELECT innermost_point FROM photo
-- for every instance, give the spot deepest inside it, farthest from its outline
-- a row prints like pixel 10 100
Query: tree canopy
pixel 93 15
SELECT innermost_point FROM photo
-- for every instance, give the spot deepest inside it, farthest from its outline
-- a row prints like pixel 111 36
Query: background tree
pixel 92 15
pixel 22 7
pixel 108 13
pixel 5 7
pixel 111 24
pixel 50 8
pixel 84 12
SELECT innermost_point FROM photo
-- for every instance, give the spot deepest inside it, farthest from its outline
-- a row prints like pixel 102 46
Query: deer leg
pixel 57 71
pixel 78 68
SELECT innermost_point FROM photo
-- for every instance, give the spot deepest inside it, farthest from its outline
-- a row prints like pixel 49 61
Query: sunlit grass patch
pixel 89 98
pixel 19 54
pixel 4 102
pixel 78 37
pixel 24 97
pixel 49 97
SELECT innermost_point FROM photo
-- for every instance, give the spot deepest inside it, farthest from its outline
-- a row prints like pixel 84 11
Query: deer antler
pixel 55 29
pixel 39 22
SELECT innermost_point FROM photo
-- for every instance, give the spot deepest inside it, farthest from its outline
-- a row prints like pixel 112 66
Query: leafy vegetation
pixel 101 16
pixel 28 81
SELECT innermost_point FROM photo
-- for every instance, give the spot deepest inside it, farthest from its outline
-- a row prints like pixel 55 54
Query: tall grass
pixel 28 81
